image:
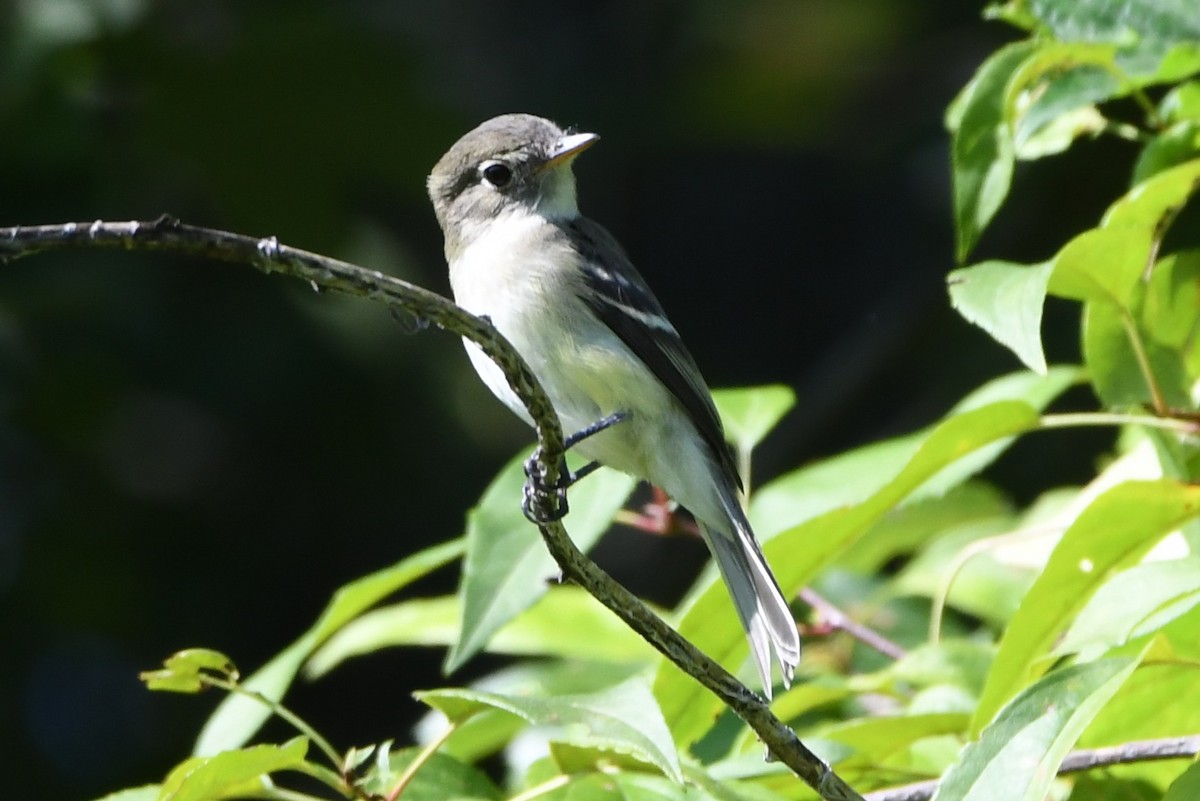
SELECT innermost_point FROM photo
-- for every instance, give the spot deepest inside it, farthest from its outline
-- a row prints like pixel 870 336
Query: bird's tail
pixel 759 602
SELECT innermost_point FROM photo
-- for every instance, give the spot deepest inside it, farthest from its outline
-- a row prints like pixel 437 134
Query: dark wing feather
pixel 623 301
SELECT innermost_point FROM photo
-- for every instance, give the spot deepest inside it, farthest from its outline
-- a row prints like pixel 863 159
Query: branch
pixel 1075 762
pixel 168 234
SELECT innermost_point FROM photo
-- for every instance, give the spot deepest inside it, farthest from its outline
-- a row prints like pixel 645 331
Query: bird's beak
pixel 568 147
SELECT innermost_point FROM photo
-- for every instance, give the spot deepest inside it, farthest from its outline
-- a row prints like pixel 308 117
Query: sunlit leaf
pixel 1017 756
pixel 565 622
pixel 982 150
pixel 185 671
pixel 1118 528
pixel 440 777
pixel 1134 602
pixel 624 718
pixel 231 774
pixel 1006 300
pixel 750 413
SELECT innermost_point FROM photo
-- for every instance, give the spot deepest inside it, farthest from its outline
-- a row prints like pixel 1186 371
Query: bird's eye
pixel 496 173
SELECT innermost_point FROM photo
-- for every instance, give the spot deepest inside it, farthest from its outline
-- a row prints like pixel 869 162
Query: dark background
pixel 194 454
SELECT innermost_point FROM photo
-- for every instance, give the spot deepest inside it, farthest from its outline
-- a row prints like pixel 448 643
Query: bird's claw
pixel 542 501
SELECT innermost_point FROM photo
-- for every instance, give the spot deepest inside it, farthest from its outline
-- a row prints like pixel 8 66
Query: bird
pixel 563 292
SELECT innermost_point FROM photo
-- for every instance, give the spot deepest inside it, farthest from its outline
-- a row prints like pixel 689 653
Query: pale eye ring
pixel 496 173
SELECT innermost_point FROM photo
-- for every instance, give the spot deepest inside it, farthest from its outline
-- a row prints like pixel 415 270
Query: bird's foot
pixel 544 501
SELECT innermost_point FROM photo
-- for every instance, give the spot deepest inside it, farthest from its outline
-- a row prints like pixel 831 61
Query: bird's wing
pixel 621 299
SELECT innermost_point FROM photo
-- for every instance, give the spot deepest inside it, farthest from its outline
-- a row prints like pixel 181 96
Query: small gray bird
pixel 563 292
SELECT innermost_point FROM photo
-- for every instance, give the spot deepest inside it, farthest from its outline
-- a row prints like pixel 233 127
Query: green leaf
pixel 955 663
pixel 1006 300
pixel 876 739
pixel 1150 205
pixel 1059 109
pixel 1017 756
pixel 903 531
pixel 147 792
pixel 1115 530
pixel 1133 603
pixel 750 413
pixel 983 585
pixel 507 566
pixel 1174 146
pixel 1155 39
pixel 184 672
pixel 1182 103
pixel 1055 83
pixel 490 730
pixel 624 718
pixel 1187 786
pixel 1168 312
pixel 982 150
pixel 440 777
pixel 797 554
pixel 1114 366
pixel 620 786
pixel 231 774
pixel 1101 265
pixel 237 718
pixel 566 622
pixel 854 476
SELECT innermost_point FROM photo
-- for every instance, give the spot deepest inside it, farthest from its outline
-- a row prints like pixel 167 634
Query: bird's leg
pixel 543 503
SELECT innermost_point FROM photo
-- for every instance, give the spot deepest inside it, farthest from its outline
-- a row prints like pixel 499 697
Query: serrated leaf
pixel 1154 39
pixel 982 152
pixel 1133 603
pixel 566 622
pixel 1017 756
pixel 237 718
pixel 624 718
pixel 439 778
pixel 507 567
pixel 231 774
pixel 750 413
pixel 488 731
pixel 1006 300
pixel 184 671
pixel 798 553
pixel 1115 530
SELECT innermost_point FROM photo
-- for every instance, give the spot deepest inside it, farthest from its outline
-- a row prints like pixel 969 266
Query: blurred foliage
pixel 196 454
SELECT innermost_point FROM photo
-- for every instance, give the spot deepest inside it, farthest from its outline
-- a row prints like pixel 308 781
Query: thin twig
pixel 837 619
pixel 168 234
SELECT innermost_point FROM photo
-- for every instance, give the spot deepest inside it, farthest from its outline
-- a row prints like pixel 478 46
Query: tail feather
pixel 758 600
